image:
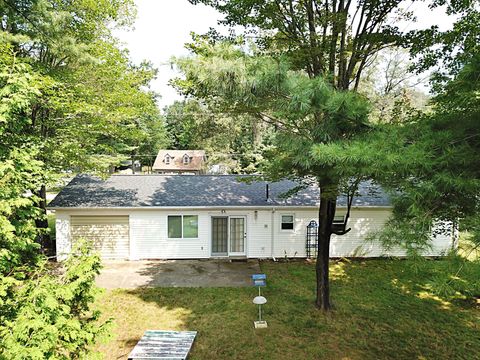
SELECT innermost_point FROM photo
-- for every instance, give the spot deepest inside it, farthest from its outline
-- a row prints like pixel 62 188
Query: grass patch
pixel 382 309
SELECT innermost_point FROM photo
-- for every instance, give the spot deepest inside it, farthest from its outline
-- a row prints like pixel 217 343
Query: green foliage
pixel 19 174
pixel 332 39
pixel 42 315
pixel 69 100
pixel 445 186
pixel 304 111
pixel 92 104
pixel 233 141
pixel 430 164
pixel 447 52
pixel 49 316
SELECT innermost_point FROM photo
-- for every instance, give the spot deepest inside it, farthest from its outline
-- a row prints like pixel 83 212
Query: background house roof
pixel 197 160
pixel 200 190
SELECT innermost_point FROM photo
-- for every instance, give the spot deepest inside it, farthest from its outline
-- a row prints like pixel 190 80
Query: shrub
pixel 49 315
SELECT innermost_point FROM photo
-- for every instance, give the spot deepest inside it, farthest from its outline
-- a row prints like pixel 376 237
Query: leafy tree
pixel 431 166
pixel 447 52
pixel 335 40
pixel 305 111
pixel 445 188
pixel 94 104
pixel 315 52
pixel 70 100
pixel 42 315
pixel 234 141
pixel 20 173
pixel 391 86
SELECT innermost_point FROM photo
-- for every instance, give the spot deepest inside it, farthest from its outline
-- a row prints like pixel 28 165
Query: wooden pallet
pixel 163 345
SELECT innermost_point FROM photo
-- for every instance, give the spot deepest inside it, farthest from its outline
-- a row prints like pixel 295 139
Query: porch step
pixel 237 258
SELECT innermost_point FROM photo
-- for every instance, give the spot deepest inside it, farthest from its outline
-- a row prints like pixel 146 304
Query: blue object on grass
pixel 259 279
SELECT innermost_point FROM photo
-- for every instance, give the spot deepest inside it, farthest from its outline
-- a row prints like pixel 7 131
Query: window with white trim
pixel 339 219
pixel 287 222
pixel 167 159
pixel 182 226
pixel 186 159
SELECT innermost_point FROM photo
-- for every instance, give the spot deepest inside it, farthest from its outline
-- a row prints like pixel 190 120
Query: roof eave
pixel 248 207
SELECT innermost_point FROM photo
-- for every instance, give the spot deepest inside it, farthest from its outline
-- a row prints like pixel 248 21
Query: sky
pixel 163 27
pixel 160 31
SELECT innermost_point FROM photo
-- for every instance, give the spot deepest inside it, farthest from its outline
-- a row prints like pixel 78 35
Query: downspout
pixel 272 222
pixel 272 235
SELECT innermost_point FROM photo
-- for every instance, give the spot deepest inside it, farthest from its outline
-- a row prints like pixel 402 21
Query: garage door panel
pixel 109 234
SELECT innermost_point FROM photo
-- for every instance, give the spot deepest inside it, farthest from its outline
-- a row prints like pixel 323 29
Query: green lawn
pixel 379 313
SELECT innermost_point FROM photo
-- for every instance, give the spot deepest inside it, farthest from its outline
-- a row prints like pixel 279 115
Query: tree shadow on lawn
pixel 377 314
pixel 198 273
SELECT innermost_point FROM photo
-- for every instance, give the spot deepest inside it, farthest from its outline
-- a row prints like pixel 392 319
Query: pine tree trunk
pixel 326 213
pixel 323 257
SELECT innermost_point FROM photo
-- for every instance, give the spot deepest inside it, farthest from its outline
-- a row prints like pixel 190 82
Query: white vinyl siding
pixel 62 235
pixel 150 229
pixel 353 244
pixel 259 234
pixel 149 233
pixel 362 222
pixel 109 234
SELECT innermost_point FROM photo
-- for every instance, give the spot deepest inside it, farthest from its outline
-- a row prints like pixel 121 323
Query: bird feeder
pixel 259 280
pixel 259 300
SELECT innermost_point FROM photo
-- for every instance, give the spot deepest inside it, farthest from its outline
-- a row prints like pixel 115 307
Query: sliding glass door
pixel 229 235
pixel 220 236
pixel 237 236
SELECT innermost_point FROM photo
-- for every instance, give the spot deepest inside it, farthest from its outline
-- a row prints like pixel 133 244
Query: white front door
pixel 229 234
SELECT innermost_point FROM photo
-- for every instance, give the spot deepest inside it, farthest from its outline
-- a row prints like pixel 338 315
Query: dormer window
pixel 167 159
pixel 186 159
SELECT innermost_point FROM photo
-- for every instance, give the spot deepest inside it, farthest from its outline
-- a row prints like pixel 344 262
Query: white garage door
pixel 109 234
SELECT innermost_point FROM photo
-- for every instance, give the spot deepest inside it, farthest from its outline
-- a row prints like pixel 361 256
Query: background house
pixel 208 216
pixel 189 162
pixel 125 167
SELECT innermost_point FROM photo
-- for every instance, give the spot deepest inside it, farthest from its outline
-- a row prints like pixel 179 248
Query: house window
pixel 167 159
pixel 339 219
pixel 287 222
pixel 182 226
pixel 186 159
pixel 338 223
pixel 190 226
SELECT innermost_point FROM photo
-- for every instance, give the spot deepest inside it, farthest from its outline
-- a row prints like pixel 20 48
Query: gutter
pixel 216 207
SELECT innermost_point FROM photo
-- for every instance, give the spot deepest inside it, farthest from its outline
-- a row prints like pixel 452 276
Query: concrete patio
pixel 177 273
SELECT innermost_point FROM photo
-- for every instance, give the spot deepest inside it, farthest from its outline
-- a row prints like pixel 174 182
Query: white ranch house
pixel 208 216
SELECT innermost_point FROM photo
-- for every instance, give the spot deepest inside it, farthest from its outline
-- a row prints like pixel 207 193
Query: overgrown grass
pixel 382 309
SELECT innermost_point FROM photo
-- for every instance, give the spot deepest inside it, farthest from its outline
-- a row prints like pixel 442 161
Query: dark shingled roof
pixel 86 191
